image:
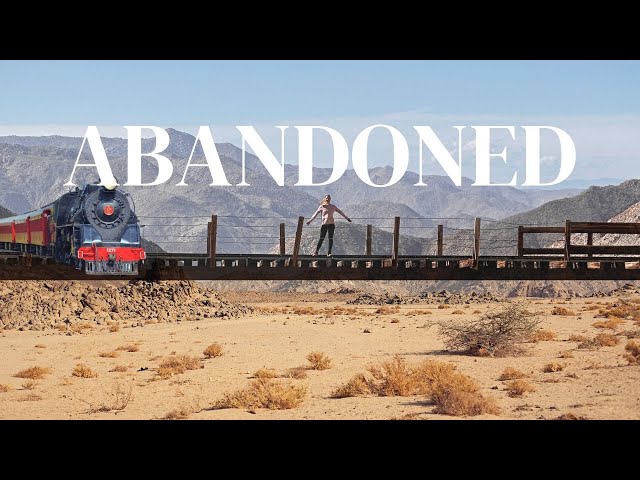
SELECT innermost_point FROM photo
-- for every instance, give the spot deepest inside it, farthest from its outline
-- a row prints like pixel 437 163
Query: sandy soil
pixel 596 384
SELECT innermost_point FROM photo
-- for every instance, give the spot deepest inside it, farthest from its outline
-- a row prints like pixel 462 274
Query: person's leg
pixel 323 233
pixel 331 229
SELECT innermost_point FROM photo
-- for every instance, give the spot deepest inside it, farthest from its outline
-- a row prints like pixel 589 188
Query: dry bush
pixel 319 361
pixel 461 403
pixel 117 398
pixel 612 323
pixel 128 348
pixel 40 345
pixel 113 354
pixel 266 393
pixel 631 333
pixel 495 333
pixel 358 386
pixel 633 357
pixel 443 307
pixel 32 397
pixel 566 354
pixel 114 328
pixel 83 371
pixel 578 338
pixel 81 327
pixel 181 413
pixel 386 310
pixel 476 312
pixel 298 373
pixel 119 368
pixel 606 340
pixel 570 416
pixel 563 311
pixel 265 373
pixel 519 387
pixel 590 307
pixel 542 336
pixel 395 320
pixel 4 388
pixel 29 384
pixel 34 373
pixel 452 392
pixel 552 367
pixel 511 373
pixel 420 312
pixel 457 312
pixel 213 350
pixel 176 365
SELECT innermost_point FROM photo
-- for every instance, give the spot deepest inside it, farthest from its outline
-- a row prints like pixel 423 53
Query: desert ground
pixel 580 364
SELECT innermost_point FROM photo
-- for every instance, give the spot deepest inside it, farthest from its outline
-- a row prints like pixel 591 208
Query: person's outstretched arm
pixel 342 213
pixel 314 215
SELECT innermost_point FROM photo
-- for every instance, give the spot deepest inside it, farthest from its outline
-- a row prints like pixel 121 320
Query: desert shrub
pixel 83 371
pixel 40 345
pixel 457 312
pixel 570 416
pixel 298 373
pixel 128 348
pixel 5 388
pixel 113 354
pixel 612 323
pixel 553 367
pixel 358 386
pixel 117 398
pixel 563 311
pixel 319 361
pixel 29 384
pixel 452 392
pixel 511 373
pixel 34 373
pixel 264 393
pixel 519 387
pixel 578 338
pixel 542 336
pixel 265 373
pixel 114 328
pixel 606 340
pixel 495 334
pixel 566 354
pixel 177 364
pixel 213 350
pixel 633 357
pixel 443 307
pixel 119 368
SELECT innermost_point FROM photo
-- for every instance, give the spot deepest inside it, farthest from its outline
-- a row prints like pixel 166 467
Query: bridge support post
pixel 367 248
pixel 520 241
pixel 282 239
pixel 567 240
pixel 296 244
pixel 476 242
pixel 396 241
pixel 212 235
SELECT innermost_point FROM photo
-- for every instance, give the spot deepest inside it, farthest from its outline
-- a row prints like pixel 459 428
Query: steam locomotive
pixel 95 229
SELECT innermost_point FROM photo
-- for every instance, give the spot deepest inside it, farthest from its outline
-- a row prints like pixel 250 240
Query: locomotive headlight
pixel 108 210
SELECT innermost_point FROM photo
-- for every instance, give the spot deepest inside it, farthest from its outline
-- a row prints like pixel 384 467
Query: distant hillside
pixel 5 212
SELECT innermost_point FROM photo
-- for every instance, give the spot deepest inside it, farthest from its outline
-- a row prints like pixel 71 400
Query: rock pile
pixel 386 299
pixel 38 305
pixel 447 297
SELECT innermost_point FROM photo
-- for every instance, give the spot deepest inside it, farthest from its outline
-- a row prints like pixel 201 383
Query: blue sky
pixel 232 92
pixel 597 102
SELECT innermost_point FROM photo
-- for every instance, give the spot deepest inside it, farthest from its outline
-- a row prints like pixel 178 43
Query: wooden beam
pixel 542 229
pixel 213 234
pixel 520 240
pixel 605 227
pixel 476 242
pixel 396 240
pixel 440 240
pixel 605 249
pixel 567 239
pixel 367 250
pixel 543 251
pixel 296 244
pixel 282 239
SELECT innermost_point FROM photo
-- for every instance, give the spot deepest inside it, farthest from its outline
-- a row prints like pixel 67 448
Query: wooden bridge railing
pixel 581 227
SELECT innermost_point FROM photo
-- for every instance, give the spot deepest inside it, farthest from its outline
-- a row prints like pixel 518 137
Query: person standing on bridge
pixel 328 224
